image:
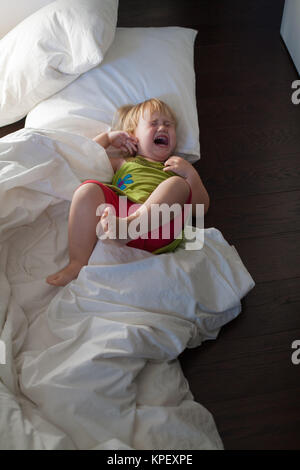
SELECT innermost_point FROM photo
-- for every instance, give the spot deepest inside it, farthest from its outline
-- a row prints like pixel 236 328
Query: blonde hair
pixel 127 117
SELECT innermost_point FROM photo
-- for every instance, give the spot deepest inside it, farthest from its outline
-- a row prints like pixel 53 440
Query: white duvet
pixel 94 365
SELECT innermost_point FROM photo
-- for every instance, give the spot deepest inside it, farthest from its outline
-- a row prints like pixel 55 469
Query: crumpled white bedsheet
pixel 94 365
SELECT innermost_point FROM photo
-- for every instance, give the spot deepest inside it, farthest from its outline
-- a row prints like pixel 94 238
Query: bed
pixel 94 365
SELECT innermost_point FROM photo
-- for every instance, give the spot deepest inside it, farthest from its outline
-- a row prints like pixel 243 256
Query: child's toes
pixel 108 222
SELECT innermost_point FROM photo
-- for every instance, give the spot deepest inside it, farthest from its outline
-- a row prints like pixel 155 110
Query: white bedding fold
pixel 94 364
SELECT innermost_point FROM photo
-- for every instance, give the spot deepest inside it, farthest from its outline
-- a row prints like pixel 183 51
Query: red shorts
pixel 151 241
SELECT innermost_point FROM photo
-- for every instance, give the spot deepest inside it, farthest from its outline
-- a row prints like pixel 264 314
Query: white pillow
pixel 13 12
pixel 51 48
pixel 140 64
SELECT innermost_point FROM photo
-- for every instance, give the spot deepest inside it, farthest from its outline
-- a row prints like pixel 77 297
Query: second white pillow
pixel 141 63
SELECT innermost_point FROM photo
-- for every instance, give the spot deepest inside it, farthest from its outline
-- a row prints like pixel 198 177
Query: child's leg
pixel 81 231
pixel 171 191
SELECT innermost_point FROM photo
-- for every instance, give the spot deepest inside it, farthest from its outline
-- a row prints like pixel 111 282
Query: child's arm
pixel 102 139
pixel 183 168
pixel 118 139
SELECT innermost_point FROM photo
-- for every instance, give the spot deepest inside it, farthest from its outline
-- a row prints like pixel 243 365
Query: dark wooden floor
pixel 250 144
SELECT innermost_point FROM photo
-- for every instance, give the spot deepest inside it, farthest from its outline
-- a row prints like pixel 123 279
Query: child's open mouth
pixel 162 140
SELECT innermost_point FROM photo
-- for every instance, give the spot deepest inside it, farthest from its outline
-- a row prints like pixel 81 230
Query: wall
pixel 290 30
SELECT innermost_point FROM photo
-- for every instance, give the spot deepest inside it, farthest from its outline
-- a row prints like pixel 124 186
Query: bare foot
pixel 66 275
pixel 114 229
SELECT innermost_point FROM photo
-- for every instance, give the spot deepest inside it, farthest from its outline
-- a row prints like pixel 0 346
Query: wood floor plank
pixel 265 143
pixel 248 171
pixel 270 308
pixel 210 17
pixel 241 69
pixel 5 130
pixel 250 108
pixel 262 215
pixel 243 367
pixel 266 421
pixel 271 258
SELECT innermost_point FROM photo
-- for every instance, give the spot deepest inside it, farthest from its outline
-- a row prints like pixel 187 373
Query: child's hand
pixel 179 166
pixel 123 141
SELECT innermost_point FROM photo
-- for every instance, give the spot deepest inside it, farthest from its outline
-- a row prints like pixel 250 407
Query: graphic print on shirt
pixel 123 182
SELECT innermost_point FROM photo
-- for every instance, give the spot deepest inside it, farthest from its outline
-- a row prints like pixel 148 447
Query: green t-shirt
pixel 137 179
